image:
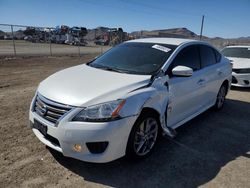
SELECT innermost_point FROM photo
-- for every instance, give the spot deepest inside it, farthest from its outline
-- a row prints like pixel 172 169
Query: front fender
pixel 154 96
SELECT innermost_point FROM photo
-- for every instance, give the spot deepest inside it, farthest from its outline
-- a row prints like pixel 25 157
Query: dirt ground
pixel 25 48
pixel 213 150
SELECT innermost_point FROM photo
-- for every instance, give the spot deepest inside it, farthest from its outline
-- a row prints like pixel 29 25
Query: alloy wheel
pixel 145 136
pixel 221 97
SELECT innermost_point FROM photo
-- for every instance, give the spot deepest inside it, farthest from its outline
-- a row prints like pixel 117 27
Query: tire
pixel 143 136
pixel 221 97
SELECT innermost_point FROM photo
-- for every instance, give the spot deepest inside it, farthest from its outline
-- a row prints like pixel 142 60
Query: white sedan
pixel 240 58
pixel 120 103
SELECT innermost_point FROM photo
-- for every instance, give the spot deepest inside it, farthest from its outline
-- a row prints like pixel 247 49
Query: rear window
pixel 239 52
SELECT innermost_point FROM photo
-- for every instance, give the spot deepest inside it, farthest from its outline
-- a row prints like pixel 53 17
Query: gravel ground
pixel 25 48
pixel 213 150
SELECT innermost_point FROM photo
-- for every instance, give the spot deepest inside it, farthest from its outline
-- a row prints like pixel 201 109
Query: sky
pixel 223 18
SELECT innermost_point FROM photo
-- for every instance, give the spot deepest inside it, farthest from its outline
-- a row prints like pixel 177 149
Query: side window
pixel 217 56
pixel 207 56
pixel 189 57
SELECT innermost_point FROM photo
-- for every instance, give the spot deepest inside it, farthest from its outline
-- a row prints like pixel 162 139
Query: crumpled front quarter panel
pixel 154 96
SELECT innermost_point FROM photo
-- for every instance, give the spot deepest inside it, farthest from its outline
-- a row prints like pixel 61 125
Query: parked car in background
pixel 120 103
pixel 240 58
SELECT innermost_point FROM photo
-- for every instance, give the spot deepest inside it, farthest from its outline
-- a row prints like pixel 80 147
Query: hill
pixel 175 33
pixel 186 33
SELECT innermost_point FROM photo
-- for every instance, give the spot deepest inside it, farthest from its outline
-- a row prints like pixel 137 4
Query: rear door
pixel 212 71
pixel 186 94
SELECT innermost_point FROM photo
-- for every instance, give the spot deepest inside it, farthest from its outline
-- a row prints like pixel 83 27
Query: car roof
pixel 238 46
pixel 171 41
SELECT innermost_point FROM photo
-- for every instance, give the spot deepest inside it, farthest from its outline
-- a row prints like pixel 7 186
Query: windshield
pixel 236 52
pixel 135 58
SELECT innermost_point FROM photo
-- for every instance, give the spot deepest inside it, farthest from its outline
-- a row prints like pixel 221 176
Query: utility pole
pixel 202 21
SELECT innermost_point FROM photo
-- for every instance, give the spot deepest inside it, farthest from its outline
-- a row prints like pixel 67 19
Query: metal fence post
pixel 79 50
pixel 13 40
pixel 50 47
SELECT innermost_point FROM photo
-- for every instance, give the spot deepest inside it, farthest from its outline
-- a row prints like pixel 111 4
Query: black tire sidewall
pixel 130 153
pixel 216 104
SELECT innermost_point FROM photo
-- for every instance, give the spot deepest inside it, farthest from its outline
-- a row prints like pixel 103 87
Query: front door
pixel 185 93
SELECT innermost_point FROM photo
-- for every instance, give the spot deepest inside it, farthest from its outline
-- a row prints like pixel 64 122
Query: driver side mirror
pixel 182 71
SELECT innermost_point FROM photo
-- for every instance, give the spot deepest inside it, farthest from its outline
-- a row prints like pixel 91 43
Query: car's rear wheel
pixel 143 136
pixel 221 97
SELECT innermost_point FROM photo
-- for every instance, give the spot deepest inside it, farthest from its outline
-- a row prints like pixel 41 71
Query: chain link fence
pixel 19 40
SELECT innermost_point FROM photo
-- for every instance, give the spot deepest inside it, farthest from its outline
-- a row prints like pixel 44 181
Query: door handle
pixel 201 82
pixel 219 72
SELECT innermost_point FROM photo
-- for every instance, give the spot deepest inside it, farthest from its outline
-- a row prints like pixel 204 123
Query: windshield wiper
pixel 116 70
pixel 110 68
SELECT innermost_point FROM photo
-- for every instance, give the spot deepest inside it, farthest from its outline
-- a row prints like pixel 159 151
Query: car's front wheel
pixel 143 136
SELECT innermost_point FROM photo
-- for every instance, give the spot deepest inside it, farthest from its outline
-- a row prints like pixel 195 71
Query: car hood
pixel 84 85
pixel 240 63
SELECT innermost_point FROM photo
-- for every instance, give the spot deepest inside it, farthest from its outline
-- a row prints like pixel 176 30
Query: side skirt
pixel 191 117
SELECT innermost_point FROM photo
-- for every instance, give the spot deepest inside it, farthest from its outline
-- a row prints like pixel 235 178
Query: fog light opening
pixel 77 148
pixel 234 80
pixel 246 82
pixel 97 147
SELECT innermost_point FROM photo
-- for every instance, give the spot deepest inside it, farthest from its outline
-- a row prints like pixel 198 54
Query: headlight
pixel 101 112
